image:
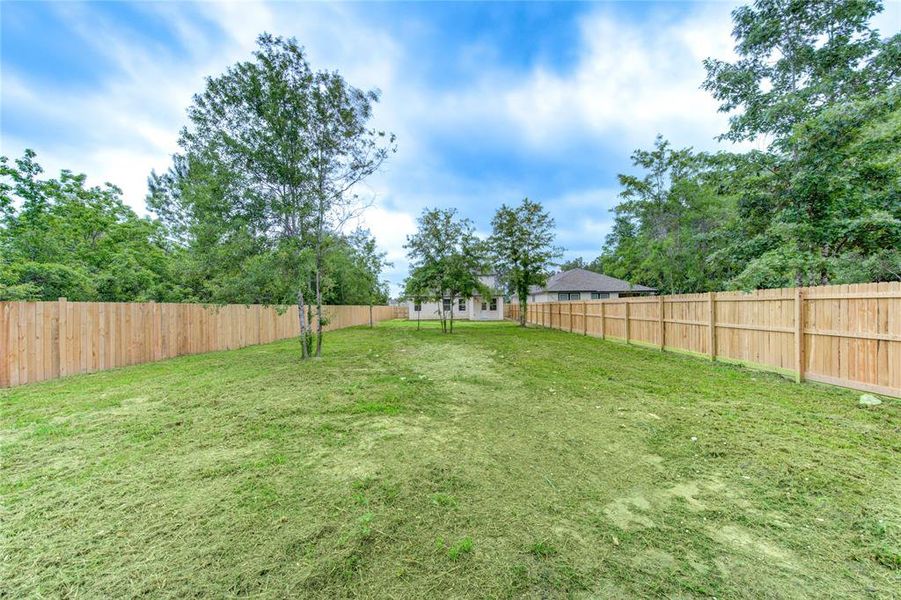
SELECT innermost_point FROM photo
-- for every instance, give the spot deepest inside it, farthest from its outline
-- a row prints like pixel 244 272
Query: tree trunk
pixel 301 316
pixel 320 226
pixel 523 292
pixel 318 309
pixel 452 313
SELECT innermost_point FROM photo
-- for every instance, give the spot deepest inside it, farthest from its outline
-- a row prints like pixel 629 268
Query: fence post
pixel 559 316
pixel 584 318
pixel 627 322
pixel 570 307
pixel 5 344
pixel 711 331
pixel 799 335
pixel 662 337
pixel 62 333
pixel 603 329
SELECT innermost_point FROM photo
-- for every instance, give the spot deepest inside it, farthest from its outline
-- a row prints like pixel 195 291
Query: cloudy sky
pixel 490 102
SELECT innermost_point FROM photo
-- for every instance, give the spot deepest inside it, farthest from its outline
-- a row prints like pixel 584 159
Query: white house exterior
pixel 476 308
pixel 581 284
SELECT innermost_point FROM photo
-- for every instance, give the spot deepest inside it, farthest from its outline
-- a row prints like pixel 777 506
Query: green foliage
pixel 522 247
pixel 832 213
pixel 355 271
pixel 61 238
pixel 53 280
pixel 669 221
pixel 446 259
pixel 796 58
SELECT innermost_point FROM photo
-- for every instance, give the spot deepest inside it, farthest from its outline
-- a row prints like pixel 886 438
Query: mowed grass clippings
pixel 494 462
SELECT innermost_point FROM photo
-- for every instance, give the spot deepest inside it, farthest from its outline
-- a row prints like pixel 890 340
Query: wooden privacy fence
pixel 847 335
pixel 45 340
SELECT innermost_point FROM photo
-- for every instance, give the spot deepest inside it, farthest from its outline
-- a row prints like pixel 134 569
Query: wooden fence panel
pixel 46 340
pixel 848 335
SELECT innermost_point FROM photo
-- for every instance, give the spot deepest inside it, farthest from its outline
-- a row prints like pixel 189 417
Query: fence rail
pixel 847 335
pixel 46 340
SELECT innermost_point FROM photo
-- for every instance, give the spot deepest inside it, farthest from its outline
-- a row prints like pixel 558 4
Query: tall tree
pixel 446 259
pixel 669 221
pixel 344 152
pixel 271 158
pixel 522 246
pixel 797 57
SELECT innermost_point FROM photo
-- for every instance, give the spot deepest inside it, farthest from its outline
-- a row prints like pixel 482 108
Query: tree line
pixel 821 205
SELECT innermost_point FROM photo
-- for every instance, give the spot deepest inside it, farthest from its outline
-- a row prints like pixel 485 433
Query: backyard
pixel 494 462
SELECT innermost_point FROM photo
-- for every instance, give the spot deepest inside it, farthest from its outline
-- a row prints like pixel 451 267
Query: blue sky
pixel 491 102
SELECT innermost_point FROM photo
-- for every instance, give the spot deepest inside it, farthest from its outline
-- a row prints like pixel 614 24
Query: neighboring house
pixel 581 284
pixel 476 308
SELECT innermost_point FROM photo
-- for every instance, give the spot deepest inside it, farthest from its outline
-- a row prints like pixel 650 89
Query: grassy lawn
pixel 496 462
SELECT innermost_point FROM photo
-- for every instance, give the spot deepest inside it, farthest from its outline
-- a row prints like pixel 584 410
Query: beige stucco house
pixel 581 284
pixel 476 308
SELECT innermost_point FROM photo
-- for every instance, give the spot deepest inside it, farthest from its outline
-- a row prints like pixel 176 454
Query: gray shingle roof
pixel 582 280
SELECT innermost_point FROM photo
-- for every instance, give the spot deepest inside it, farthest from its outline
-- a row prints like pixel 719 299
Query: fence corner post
pixel 62 335
pixel 711 331
pixel 799 335
pixel 5 344
pixel 661 323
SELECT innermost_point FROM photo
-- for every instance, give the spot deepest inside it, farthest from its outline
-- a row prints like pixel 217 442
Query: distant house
pixel 581 284
pixel 476 308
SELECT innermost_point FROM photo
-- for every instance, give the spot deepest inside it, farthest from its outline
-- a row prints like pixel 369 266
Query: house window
pixel 599 295
pixel 446 304
pixel 417 307
pixel 484 306
pixel 493 305
pixel 461 304
pixel 566 296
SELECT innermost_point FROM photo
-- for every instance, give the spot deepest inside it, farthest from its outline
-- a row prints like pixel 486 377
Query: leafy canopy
pixel 795 59
pixel 446 259
pixel 60 237
pixel 522 247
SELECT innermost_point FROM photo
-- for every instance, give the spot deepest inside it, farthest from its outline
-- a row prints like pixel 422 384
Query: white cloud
pixel 631 81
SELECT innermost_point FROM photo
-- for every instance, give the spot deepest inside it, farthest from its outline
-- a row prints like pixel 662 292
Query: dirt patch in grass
pixel 496 462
